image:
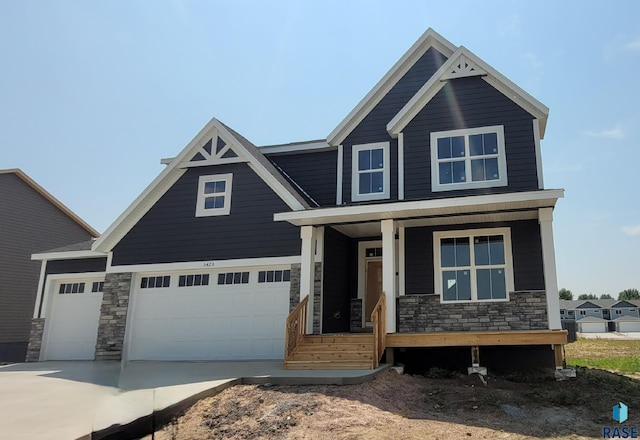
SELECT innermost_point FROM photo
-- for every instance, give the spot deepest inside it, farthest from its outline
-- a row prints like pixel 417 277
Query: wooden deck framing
pixel 468 339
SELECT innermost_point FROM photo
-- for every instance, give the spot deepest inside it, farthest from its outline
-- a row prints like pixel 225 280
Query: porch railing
pixel 296 326
pixel 379 320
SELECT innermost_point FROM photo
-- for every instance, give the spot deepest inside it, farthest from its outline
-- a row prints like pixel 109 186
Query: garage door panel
pixel 243 321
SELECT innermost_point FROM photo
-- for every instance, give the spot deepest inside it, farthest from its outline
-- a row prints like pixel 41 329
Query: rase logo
pixel 620 415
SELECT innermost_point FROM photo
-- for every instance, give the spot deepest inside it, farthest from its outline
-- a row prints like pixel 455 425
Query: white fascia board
pixel 70 255
pixel 152 193
pixel 207 265
pixel 493 77
pixel 398 210
pixel 296 147
pixel 429 39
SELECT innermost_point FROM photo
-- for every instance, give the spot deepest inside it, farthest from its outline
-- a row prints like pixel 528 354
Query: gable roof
pixel 463 63
pixel 51 199
pixel 627 303
pixel 627 318
pixel 193 154
pixel 429 39
pixel 591 319
pixel 586 303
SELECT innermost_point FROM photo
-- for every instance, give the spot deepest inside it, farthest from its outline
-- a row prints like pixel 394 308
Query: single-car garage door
pixel 593 327
pixel 628 326
pixel 71 328
pixel 210 316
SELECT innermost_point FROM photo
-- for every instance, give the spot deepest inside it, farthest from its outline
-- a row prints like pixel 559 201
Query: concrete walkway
pixel 611 335
pixel 68 400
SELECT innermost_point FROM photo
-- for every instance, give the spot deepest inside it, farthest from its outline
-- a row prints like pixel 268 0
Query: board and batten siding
pixel 528 271
pixel 29 223
pixel 170 231
pixel 315 172
pixel 468 103
pixel 373 127
pixel 336 295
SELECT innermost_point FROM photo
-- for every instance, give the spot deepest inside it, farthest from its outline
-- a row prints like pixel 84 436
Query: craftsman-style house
pixel 420 221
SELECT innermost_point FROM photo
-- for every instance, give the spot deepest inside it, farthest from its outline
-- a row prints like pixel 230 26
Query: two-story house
pixel 430 191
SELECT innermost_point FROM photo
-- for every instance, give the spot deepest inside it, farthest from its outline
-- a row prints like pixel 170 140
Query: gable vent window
pixel 97 286
pixel 214 195
pixel 469 158
pixel 233 278
pixel 155 282
pixel 71 288
pixel 274 276
pixel 193 280
pixel 370 172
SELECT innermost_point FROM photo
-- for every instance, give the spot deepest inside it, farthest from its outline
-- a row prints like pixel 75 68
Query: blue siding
pixel 468 103
pixel 373 127
pixel 315 172
pixel 76 266
pixel 170 231
pixel 528 272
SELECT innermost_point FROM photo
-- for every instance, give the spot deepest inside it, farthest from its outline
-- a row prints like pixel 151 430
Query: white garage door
pixel 629 326
pixel 230 317
pixel 593 327
pixel 72 325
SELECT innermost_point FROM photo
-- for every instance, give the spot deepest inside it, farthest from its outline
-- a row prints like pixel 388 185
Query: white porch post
pixel 388 229
pixel 307 271
pixel 545 218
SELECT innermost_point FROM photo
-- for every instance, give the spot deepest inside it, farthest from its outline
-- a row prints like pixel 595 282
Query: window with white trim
pixel 193 280
pixel 233 278
pixel 97 286
pixel 214 195
pixel 468 158
pixel 274 276
pixel 66 288
pixel 155 282
pixel 473 265
pixel 370 171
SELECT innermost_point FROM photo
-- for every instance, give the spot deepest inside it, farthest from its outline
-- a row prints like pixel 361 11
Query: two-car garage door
pixel 209 316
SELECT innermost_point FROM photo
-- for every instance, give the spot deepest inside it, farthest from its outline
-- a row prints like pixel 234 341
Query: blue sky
pixel 93 94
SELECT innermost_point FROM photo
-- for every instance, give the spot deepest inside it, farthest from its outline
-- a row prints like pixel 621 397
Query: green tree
pixel 565 294
pixel 629 294
pixel 606 296
pixel 587 296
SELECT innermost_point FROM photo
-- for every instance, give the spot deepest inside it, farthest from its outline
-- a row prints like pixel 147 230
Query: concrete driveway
pixel 71 399
pixel 611 335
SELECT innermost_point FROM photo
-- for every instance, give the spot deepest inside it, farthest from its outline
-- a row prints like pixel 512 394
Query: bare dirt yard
pixel 439 405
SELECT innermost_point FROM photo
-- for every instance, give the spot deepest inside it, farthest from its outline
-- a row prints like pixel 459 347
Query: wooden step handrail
pixel 296 326
pixel 379 320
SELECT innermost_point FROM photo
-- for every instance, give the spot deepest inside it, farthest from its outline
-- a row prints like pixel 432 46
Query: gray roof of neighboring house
pixel 627 318
pixel 591 319
pixel 600 303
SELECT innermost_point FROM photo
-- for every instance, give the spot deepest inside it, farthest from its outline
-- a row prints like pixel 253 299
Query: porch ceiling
pixel 409 211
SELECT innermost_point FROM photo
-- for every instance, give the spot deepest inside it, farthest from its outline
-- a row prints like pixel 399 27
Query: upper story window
pixel 214 195
pixel 370 172
pixel 468 158
pixel 473 265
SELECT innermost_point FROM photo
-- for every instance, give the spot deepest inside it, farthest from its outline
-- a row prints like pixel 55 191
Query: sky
pixel 94 94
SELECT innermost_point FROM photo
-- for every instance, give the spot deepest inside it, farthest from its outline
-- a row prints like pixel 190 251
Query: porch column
pixel 388 228
pixel 545 218
pixel 307 270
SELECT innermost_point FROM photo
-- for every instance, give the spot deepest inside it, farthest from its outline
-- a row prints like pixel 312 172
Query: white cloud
pixel 614 133
pixel 631 230
pixel 633 45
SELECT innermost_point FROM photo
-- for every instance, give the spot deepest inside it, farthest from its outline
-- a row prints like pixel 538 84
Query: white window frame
pixel 470 233
pixel 468 183
pixel 386 170
pixel 226 209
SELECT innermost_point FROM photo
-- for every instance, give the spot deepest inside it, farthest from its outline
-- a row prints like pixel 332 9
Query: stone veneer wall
pixel 355 315
pixel 35 340
pixel 113 316
pixel 294 293
pixel 425 313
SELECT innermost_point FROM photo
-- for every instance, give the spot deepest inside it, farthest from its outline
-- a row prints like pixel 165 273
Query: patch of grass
pixel 624 365
pixel 611 355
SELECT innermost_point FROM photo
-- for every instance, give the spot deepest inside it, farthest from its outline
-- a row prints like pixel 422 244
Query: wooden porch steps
pixel 333 352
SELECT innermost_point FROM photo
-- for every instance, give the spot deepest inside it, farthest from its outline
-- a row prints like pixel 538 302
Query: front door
pixel 373 287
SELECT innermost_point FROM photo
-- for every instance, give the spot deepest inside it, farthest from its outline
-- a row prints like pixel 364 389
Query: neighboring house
pixel 31 220
pixel 610 311
pixel 430 191
pixel 592 324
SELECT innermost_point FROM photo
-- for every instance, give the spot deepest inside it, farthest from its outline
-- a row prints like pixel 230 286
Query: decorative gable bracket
pixel 214 152
pixel 463 68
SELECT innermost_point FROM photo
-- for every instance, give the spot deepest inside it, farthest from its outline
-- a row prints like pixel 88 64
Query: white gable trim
pixel 429 39
pixel 492 76
pixel 172 172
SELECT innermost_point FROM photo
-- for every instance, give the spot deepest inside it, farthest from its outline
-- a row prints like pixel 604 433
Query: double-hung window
pixel 214 195
pixel 370 172
pixel 473 265
pixel 468 158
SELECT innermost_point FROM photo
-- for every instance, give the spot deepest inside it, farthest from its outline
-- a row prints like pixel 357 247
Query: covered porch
pixel 352 254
